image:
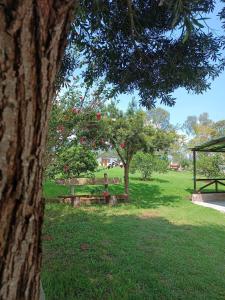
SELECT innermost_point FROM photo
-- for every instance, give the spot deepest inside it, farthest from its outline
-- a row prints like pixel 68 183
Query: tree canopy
pixel 140 45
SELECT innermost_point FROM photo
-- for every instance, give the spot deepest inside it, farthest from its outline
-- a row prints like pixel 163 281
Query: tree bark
pixel 32 40
pixel 126 178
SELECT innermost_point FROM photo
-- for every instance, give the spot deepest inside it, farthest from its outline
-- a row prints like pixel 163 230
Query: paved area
pixel 218 205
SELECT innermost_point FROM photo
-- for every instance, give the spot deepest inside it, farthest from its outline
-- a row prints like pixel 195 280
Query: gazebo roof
pixel 217 145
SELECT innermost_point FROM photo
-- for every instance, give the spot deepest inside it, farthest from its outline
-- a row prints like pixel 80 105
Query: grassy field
pixel 158 246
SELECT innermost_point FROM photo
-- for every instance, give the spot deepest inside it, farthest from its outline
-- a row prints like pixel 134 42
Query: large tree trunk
pixel 126 178
pixel 32 41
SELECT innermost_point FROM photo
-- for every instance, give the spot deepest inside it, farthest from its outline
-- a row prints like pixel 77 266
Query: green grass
pixel 158 246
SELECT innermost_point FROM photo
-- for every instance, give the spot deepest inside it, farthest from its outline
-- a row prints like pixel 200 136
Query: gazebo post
pixel 214 146
pixel 194 170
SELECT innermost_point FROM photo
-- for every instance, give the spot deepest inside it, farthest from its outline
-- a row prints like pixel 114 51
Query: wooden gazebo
pixel 213 146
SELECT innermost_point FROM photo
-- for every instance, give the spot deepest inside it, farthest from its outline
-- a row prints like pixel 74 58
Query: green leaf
pixel 198 24
pixel 186 36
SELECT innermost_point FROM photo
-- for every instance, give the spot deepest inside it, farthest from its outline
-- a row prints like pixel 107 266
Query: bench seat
pixel 77 200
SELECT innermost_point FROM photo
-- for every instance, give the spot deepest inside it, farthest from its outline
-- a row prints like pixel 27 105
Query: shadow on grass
pixel 142 194
pixel 145 195
pixel 152 180
pixel 95 255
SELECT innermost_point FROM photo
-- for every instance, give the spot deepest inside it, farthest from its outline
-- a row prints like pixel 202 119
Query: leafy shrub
pixel 147 163
pixel 210 165
pixel 73 161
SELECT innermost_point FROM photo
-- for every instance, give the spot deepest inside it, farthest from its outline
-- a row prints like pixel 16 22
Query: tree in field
pixel 147 163
pixel 127 136
pixel 71 113
pixel 128 133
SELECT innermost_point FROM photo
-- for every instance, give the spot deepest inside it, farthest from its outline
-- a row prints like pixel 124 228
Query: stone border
pixel 204 197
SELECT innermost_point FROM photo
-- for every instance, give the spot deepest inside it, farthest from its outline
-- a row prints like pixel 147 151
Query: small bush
pixel 147 163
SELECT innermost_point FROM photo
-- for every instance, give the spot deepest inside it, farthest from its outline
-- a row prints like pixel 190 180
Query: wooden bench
pixel 105 197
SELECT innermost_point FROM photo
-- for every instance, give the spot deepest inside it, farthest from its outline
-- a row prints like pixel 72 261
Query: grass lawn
pixel 158 246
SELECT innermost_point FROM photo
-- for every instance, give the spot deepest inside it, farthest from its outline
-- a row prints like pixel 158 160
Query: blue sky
pixel 211 101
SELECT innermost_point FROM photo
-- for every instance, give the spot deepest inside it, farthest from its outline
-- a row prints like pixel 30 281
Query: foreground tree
pixel 32 41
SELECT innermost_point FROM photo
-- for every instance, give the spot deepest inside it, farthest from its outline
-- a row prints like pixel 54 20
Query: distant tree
pixel 193 124
pixel 204 119
pixel 190 125
pixel 132 107
pixel 178 151
pixel 185 163
pixel 159 117
pixel 147 163
pixel 219 128
pixel 126 133
pixel 204 129
pixel 210 165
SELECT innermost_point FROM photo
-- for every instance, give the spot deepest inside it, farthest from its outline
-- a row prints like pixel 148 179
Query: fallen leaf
pixel 84 246
pixel 47 238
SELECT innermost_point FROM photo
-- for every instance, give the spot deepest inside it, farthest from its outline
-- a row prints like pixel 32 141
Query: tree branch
pixel 130 12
